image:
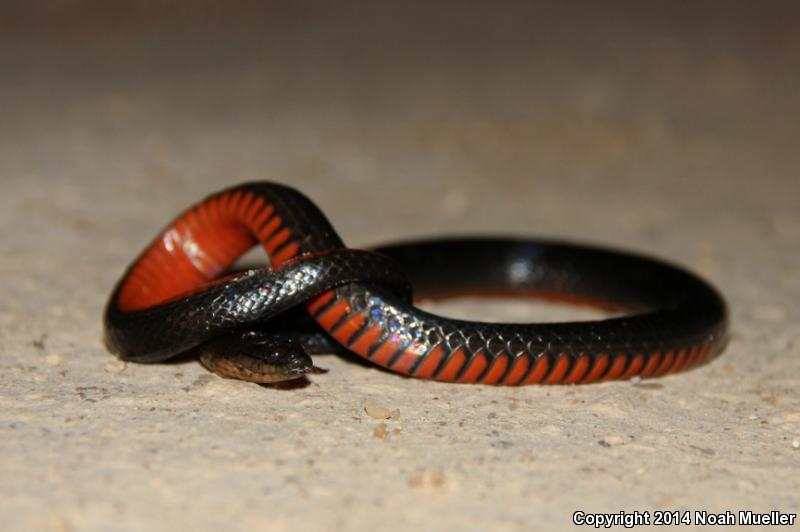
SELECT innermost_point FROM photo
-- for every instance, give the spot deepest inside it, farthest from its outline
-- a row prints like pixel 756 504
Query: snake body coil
pixel 172 299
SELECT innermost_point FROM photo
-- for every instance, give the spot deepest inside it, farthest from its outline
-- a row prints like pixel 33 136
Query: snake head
pixel 259 357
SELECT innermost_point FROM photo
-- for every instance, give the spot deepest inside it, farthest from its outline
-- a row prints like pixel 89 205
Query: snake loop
pixel 173 298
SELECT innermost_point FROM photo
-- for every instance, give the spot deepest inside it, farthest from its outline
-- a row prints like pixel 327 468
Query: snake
pixel 182 296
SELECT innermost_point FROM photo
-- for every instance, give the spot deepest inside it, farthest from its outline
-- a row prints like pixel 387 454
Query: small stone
pixel 115 367
pixel 377 411
pixel 796 443
pixel 611 440
pixel 40 342
pixel 427 479
pixel 380 431
pixel 54 360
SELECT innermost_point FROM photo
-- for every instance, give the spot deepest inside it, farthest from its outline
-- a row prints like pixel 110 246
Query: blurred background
pixel 582 110
pixel 664 126
pixel 668 127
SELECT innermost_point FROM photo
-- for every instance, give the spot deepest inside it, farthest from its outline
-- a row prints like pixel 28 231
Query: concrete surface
pixel 669 130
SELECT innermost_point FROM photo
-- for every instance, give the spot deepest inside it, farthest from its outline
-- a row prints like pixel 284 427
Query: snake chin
pixel 258 357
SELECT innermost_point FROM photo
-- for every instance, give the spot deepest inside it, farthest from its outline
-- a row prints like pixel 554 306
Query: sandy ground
pixel 670 131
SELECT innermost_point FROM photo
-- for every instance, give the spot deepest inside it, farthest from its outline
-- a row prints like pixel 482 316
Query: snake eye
pixel 257 357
